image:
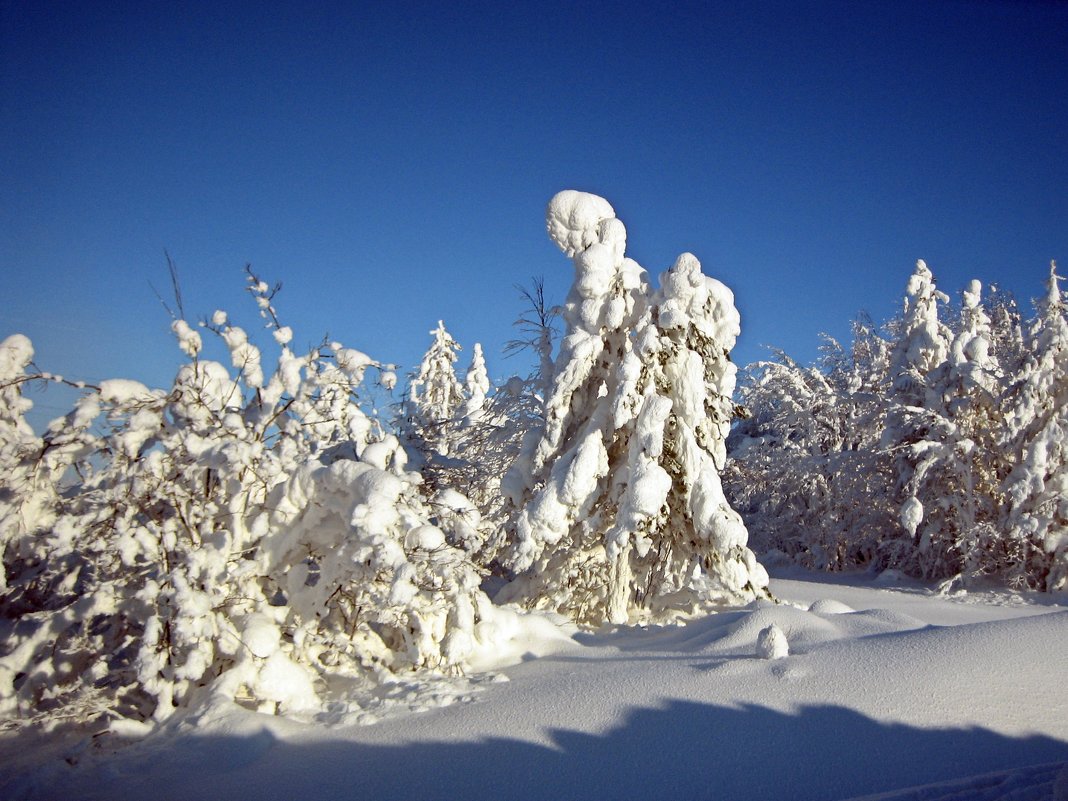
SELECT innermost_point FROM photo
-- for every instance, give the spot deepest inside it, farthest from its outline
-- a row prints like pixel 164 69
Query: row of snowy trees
pixel 254 535
pixel 938 445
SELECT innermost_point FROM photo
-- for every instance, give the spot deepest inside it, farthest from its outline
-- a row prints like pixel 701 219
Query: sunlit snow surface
pixel 890 692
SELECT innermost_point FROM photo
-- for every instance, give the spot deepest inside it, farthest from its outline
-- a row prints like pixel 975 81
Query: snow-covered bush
pixel 241 535
pixel 463 457
pixel 618 507
pixel 805 470
pixel 445 426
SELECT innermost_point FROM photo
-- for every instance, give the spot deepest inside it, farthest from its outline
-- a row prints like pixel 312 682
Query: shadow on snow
pixel 682 750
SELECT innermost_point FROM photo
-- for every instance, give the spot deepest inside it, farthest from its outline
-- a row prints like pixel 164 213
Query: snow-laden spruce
pixel 619 510
pixel 435 394
pixel 476 386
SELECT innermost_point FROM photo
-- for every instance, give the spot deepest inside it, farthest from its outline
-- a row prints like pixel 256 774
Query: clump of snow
pixel 911 515
pixel 188 339
pixel 425 538
pixel 507 635
pixel 261 635
pixel 16 352
pixel 771 643
pixel 574 220
pixel 287 683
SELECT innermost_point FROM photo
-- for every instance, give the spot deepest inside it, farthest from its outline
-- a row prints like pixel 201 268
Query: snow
pixel 16 352
pixel 772 643
pixel 574 217
pixel 251 568
pixel 123 390
pixel 188 339
pixel 892 693
pixel 911 515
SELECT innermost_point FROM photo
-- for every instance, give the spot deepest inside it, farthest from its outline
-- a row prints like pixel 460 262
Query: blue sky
pixel 390 163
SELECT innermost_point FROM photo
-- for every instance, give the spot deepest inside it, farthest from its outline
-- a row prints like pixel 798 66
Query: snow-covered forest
pixel 935 445
pixel 267 534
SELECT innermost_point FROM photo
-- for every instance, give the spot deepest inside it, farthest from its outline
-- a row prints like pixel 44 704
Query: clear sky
pixel 390 162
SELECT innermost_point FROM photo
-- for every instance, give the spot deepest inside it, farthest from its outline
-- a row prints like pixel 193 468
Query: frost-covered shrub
pixel 464 489
pixel 368 581
pixel 805 469
pixel 451 431
pixel 618 508
pixel 490 436
pixel 243 535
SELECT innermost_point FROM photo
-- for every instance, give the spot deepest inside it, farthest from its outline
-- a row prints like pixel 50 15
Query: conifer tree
pixel 619 510
pixel 915 423
pixel 477 385
pixel 435 393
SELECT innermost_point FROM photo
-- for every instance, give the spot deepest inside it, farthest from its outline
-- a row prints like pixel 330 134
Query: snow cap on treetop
pixel 16 352
pixel 689 297
pixel 576 220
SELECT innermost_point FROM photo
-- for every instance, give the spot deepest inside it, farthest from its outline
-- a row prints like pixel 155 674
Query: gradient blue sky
pixel 390 163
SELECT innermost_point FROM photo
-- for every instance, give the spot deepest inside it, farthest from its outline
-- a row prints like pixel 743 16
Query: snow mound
pixel 829 606
pixel 508 635
pixel 772 644
pixel 805 629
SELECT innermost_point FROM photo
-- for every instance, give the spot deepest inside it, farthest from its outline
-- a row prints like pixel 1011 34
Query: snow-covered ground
pixel 888 691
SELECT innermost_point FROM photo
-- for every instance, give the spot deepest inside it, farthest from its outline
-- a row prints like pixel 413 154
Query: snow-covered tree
pixel 619 511
pixel 477 386
pixel 924 341
pixel 944 430
pixel 435 393
pixel 23 494
pixel 1038 434
pixel 916 432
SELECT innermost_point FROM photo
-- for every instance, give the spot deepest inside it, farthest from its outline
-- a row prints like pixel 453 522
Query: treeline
pixel 937 445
